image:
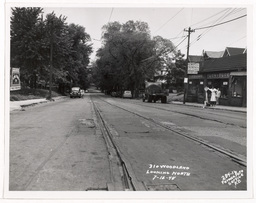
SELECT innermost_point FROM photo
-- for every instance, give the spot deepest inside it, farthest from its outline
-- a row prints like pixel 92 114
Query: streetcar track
pixel 128 177
pixel 192 115
pixel 237 158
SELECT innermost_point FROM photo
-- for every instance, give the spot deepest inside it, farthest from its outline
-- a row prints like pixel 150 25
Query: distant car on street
pixel 75 92
pixel 127 94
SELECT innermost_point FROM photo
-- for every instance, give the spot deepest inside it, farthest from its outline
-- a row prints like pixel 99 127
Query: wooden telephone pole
pixel 186 70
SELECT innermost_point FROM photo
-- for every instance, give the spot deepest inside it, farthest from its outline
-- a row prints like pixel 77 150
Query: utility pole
pixel 186 70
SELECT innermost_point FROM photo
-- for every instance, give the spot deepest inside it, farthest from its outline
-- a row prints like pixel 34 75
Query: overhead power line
pixel 237 40
pixel 226 14
pixel 168 20
pixel 220 23
pixel 181 41
pixel 165 51
pixel 176 37
pixel 110 14
pixel 209 17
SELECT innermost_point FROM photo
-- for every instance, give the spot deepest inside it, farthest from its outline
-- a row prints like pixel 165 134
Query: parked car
pixel 75 92
pixel 127 94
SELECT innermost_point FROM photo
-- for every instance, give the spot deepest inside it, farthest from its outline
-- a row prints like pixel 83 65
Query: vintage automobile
pixel 75 92
pixel 127 94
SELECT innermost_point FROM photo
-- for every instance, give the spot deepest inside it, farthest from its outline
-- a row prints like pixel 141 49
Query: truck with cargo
pixel 154 91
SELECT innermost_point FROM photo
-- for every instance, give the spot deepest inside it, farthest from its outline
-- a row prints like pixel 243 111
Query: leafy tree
pixel 171 62
pixel 78 59
pixel 121 60
pixel 26 37
pixel 178 71
pixel 32 38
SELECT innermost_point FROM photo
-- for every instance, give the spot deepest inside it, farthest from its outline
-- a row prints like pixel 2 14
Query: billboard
pixel 15 79
pixel 193 68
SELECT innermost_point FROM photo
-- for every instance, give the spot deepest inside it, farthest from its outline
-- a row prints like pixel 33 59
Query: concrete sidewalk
pixel 219 107
pixel 18 105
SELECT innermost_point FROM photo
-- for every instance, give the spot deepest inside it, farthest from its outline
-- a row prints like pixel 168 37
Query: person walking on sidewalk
pixel 213 96
pixel 218 96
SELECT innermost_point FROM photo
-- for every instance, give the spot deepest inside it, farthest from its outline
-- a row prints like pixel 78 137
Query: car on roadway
pixel 127 94
pixel 75 92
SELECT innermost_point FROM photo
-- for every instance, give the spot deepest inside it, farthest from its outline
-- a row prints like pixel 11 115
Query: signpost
pixel 15 79
pixel 186 70
pixel 193 68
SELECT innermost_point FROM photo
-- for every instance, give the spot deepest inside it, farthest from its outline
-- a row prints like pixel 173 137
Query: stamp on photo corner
pixel 233 177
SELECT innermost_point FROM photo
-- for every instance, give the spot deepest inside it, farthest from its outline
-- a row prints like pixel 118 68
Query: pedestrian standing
pixel 213 96
pixel 218 94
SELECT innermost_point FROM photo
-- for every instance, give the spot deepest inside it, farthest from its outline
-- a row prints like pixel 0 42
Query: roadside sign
pixel 15 79
pixel 193 68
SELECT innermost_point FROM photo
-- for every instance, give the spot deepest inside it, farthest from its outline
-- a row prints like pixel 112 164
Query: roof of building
pixel 231 51
pixel 224 64
pixel 195 58
pixel 213 54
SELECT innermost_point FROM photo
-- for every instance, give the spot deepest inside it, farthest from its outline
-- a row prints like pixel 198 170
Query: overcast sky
pixel 167 22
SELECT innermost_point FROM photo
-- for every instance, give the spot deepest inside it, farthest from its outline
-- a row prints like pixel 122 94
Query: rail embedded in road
pixel 238 158
pixel 126 180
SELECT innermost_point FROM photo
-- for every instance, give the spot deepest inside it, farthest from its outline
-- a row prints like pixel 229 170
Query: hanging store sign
pixel 217 75
pixel 195 77
pixel 15 79
pixel 238 73
pixel 193 68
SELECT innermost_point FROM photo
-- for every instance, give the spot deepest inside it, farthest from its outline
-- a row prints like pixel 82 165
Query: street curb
pixel 35 103
pixel 226 109
pixel 22 106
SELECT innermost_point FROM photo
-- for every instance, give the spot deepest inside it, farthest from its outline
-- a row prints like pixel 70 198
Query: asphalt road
pixel 59 146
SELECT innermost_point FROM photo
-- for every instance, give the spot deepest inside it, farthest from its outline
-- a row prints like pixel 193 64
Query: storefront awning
pixel 239 73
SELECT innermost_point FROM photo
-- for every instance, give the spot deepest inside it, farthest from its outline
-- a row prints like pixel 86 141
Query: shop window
pixel 224 92
pixel 224 89
pixel 237 86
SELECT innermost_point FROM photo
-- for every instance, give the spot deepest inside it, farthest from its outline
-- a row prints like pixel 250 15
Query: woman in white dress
pixel 213 96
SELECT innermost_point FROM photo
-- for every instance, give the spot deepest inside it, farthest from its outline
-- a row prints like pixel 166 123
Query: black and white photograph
pixel 127 100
